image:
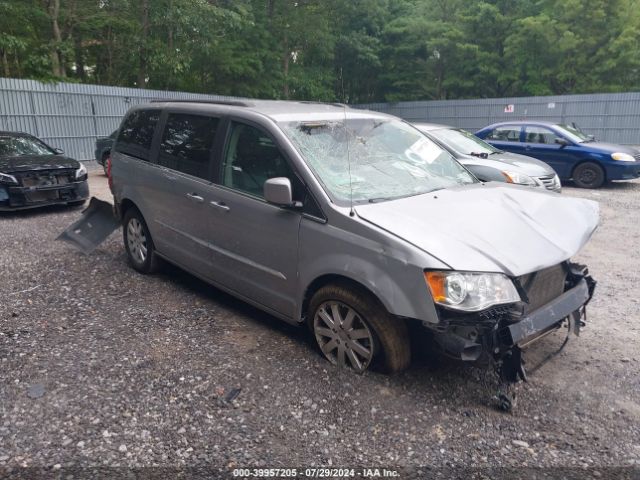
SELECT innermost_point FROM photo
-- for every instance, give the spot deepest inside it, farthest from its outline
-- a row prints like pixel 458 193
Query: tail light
pixel 109 177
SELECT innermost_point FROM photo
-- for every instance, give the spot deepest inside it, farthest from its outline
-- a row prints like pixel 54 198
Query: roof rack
pixel 233 103
pixel 334 104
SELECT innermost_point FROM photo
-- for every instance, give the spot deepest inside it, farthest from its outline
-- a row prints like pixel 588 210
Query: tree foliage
pixel 333 50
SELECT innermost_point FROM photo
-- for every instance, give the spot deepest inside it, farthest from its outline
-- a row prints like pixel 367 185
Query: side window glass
pixel 505 134
pixel 186 144
pixel 137 132
pixel 540 135
pixel 251 158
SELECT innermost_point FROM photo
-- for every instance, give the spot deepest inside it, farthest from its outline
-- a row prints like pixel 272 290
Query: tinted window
pixel 539 135
pixel 505 134
pixel 136 133
pixel 186 144
pixel 251 159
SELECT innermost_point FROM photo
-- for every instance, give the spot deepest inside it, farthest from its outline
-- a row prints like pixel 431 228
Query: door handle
pixel 220 205
pixel 195 197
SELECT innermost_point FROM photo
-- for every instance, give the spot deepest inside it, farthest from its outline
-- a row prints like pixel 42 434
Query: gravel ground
pixel 102 367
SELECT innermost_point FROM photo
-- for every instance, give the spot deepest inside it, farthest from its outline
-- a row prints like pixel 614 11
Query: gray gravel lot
pixel 100 366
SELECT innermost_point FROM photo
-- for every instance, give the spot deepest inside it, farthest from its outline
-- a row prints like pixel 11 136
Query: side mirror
pixel 561 141
pixel 58 151
pixel 278 191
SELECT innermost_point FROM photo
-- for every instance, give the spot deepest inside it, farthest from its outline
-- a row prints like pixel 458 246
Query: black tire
pixel 588 175
pixel 133 223
pixel 391 345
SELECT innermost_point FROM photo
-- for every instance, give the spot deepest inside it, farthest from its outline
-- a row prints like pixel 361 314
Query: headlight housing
pixel 7 179
pixel 519 178
pixel 81 173
pixel 470 291
pixel 623 157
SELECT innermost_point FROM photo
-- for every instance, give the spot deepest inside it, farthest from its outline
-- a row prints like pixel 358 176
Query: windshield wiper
pixel 479 155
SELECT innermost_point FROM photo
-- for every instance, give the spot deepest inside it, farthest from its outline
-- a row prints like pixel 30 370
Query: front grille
pixel 543 286
pixel 550 182
pixel 44 178
pixel 637 157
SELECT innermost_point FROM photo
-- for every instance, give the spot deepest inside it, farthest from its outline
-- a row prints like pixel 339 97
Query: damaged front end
pixel 40 187
pixel 550 298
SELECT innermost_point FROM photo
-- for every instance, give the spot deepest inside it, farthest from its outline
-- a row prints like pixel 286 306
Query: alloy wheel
pixel 343 336
pixel 137 240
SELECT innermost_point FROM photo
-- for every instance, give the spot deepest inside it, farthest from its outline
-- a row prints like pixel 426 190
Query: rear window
pixel 136 133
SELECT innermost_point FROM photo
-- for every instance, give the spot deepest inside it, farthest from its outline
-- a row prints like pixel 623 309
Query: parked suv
pixel 350 221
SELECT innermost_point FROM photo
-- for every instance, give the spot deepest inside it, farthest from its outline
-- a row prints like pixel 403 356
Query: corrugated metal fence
pixel 611 117
pixel 71 116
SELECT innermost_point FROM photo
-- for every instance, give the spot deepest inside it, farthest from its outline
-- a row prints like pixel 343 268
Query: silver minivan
pixel 352 222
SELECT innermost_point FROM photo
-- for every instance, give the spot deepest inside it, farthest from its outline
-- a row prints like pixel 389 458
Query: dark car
pixel 488 163
pixel 571 153
pixel 103 149
pixel 32 174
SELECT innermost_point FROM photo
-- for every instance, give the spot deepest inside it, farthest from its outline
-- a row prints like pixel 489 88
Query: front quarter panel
pixel 387 266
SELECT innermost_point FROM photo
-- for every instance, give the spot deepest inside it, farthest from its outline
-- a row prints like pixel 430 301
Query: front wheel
pixel 354 330
pixel 138 243
pixel 588 175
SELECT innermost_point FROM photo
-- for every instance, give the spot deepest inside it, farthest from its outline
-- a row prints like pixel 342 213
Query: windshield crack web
pixel 387 158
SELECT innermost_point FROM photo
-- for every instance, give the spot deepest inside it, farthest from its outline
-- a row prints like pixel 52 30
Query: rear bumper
pixel 21 198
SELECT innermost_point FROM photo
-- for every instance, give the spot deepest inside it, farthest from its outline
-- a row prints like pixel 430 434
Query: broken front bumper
pixel 543 318
pixel 499 333
pixel 19 198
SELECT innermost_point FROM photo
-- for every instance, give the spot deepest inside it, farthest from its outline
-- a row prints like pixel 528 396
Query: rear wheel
pixel 138 243
pixel 354 330
pixel 588 175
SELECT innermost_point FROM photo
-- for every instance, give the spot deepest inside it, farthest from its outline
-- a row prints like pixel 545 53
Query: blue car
pixel 572 154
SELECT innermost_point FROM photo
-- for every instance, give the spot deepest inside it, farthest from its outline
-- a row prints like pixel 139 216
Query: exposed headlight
pixel 623 157
pixel 81 172
pixel 470 292
pixel 8 179
pixel 519 178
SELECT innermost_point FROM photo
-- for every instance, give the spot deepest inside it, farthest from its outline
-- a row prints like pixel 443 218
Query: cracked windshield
pixel 384 158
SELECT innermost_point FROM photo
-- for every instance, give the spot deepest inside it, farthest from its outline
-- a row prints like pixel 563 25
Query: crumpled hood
pixel 490 228
pixel 24 163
